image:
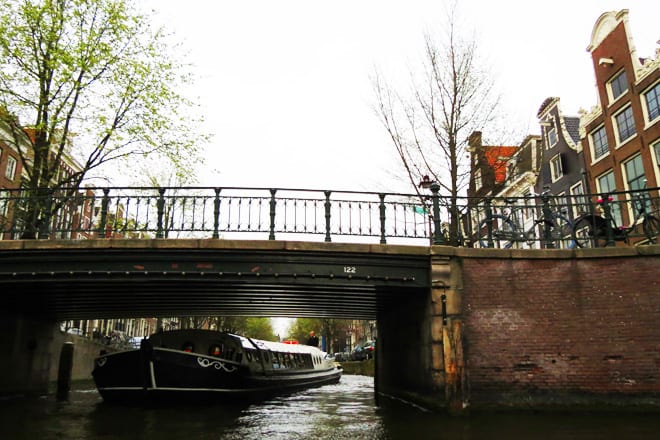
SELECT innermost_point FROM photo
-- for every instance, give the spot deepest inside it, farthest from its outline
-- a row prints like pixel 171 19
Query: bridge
pixel 93 279
pixel 457 326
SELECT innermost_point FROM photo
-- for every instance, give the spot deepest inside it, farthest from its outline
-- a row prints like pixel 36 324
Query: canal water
pixel 343 411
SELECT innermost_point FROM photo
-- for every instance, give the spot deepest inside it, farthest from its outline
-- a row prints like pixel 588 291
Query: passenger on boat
pixel 313 340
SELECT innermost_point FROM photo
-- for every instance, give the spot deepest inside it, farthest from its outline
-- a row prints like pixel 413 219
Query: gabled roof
pixel 497 157
pixel 573 127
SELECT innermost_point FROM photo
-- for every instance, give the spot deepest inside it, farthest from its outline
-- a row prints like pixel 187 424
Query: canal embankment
pixel 363 368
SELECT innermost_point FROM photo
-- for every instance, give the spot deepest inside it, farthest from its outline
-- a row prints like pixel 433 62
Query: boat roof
pixel 277 346
pixel 247 343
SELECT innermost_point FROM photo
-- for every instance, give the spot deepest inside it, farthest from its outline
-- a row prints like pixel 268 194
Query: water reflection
pixel 343 411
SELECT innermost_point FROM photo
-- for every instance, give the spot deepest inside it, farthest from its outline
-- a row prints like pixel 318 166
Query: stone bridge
pixel 458 328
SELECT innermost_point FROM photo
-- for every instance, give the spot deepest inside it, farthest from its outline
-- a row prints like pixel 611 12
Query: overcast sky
pixel 285 85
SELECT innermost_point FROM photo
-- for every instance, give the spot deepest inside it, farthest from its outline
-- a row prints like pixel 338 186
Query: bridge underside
pixel 112 279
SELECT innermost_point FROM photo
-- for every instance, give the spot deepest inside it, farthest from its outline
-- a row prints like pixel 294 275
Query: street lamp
pixel 427 183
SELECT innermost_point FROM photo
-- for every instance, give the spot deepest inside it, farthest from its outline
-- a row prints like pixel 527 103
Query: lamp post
pixel 427 183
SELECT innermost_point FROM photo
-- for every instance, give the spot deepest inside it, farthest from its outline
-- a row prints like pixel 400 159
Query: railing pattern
pixel 264 213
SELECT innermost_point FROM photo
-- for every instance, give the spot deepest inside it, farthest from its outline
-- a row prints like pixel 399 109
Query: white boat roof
pixel 277 346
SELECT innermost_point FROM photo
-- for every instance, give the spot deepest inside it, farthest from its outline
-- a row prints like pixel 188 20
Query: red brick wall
pixel 546 330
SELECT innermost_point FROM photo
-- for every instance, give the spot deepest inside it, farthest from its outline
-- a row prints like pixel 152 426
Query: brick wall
pixel 543 331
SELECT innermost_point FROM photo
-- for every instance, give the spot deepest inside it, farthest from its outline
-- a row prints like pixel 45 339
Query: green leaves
pixel 95 81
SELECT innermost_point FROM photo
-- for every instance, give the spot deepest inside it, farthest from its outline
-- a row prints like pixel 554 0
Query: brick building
pixel 621 135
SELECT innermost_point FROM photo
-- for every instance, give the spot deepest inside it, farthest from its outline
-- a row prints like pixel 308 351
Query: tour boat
pixel 205 364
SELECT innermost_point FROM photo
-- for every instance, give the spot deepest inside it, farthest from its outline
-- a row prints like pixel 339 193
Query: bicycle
pixel 550 230
pixel 600 229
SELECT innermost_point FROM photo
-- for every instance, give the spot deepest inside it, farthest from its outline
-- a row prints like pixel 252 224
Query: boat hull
pixel 155 374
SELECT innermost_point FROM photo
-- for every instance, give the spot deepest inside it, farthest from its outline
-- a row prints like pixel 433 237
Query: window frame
pixel 556 167
pixel 10 169
pixel 578 199
pixel 4 203
pixel 609 178
pixel 552 137
pixel 655 88
pixel 478 183
pixel 616 80
pixel 615 123
pixel 592 143
pixel 632 184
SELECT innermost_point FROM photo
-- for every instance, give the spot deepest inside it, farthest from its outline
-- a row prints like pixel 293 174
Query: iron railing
pixel 353 216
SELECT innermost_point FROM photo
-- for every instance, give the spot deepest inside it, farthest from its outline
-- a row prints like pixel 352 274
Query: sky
pixel 286 90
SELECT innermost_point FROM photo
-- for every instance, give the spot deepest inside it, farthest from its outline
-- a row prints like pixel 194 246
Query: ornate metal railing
pixel 265 213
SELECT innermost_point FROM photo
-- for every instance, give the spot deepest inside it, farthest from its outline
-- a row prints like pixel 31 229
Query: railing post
pixel 105 202
pixel 438 236
pixel 547 224
pixel 328 239
pixel 271 235
pixel 216 214
pixel 382 219
pixel 489 226
pixel 160 205
pixel 607 213
pixel 44 224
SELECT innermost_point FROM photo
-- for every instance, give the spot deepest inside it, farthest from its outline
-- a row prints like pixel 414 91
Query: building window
pixel 552 137
pixel 625 124
pixel 607 185
pixel 599 143
pixel 618 85
pixel 635 173
pixel 651 103
pixel 10 171
pixel 4 203
pixel 477 180
pixel 579 202
pixel 636 180
pixel 656 150
pixel 556 169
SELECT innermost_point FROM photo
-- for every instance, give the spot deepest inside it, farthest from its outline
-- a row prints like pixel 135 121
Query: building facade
pixel 562 170
pixel 621 135
pixel 11 170
pixel 488 177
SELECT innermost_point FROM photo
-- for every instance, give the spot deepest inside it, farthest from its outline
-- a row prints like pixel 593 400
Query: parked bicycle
pixel 599 228
pixel 551 229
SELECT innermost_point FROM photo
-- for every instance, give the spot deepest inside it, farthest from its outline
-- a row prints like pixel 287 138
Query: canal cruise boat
pixel 205 364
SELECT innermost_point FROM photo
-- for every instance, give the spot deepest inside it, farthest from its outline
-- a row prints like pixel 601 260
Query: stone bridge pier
pixel 527 329
pixel 420 356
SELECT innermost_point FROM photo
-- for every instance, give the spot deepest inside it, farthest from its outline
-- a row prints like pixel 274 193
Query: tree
pixel 259 328
pixel 331 329
pixel 429 128
pixel 87 81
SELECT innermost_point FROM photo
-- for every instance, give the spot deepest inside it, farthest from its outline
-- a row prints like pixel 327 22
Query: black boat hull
pixel 170 375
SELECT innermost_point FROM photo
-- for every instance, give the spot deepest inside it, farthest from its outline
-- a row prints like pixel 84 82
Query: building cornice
pixel 648 67
pixel 519 185
pixel 586 118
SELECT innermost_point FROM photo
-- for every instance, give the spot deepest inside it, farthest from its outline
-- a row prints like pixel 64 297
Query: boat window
pixel 215 350
pixel 188 347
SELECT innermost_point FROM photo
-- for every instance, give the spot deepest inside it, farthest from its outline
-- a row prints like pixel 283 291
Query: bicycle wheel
pixel 589 231
pixel 651 226
pixel 502 232
pixel 562 233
